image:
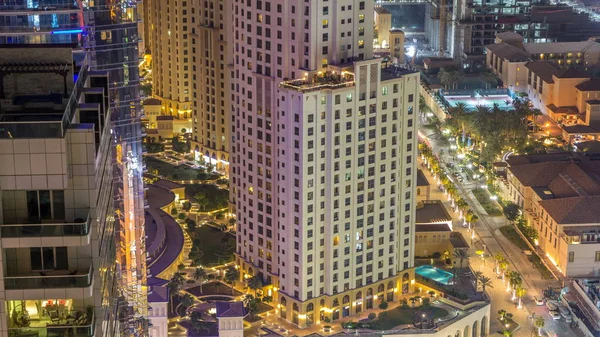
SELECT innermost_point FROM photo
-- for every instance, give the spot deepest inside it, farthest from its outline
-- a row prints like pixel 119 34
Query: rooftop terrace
pixel 337 79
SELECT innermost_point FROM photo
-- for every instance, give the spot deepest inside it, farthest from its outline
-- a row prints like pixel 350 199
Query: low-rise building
pixel 423 187
pixel 508 57
pixel 560 198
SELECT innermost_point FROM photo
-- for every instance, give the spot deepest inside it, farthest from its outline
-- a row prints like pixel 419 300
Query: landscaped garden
pixel 389 319
pixel 484 199
pixel 211 246
pixel 511 234
pixel 404 314
pixel 169 171
pixel 209 197
pixel 213 288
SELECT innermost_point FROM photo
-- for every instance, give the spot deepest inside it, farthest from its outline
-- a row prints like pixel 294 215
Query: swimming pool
pixel 435 274
pixel 471 103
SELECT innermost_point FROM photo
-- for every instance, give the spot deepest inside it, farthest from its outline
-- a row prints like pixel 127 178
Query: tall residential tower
pixel 323 157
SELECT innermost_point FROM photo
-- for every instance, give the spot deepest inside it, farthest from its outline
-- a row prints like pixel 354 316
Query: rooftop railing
pixel 45 229
pixel 48 129
pixel 51 279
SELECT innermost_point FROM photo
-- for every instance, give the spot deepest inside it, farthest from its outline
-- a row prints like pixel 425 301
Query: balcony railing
pixel 51 279
pixel 66 329
pixel 39 230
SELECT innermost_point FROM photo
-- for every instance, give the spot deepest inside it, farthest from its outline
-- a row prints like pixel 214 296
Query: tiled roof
pixel 572 73
pixel 432 227
pixel 508 52
pixel 152 101
pixel 540 174
pixel 543 69
pixel 562 47
pixel 591 85
pixel 382 10
pixel 432 212
pixel 507 36
pixel 575 210
pixel 230 309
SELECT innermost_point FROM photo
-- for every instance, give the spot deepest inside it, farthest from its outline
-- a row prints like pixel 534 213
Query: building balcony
pixel 76 323
pixel 66 283
pixel 69 234
pixel 575 236
pixel 320 81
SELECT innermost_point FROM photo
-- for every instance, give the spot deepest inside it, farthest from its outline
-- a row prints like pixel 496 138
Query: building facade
pixel 108 29
pixel 323 158
pixel 559 195
pixel 170 23
pixel 211 70
pixel 57 196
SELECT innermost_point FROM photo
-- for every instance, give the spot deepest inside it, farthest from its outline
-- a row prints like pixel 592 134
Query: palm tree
pixel 515 281
pixel 502 314
pixel 539 324
pixel 413 300
pixel 431 294
pixel 174 287
pixel 461 255
pixel 199 275
pixel 498 257
pixel 251 304
pixel 485 282
pixel 520 293
pixel 186 301
pixel 255 283
pixel 507 333
pixel 503 265
pixel 489 78
pixel 232 275
pixel 444 77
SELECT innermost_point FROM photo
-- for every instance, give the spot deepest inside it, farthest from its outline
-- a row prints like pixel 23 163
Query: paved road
pixel 488 237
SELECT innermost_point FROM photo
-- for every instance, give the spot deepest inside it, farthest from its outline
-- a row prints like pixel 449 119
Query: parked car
pixel 552 305
pixel 538 301
pixel 555 315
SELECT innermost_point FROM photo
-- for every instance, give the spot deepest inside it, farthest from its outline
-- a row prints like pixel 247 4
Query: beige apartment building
pixel 323 158
pixel 211 136
pixel 190 58
pixel 508 57
pixel 169 23
pixel 559 195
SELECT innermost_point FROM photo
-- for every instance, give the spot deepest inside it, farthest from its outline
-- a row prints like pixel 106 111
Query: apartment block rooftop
pixel 40 86
pixel 340 76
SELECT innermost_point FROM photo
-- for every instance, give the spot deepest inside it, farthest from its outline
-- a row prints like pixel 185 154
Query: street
pixel 488 238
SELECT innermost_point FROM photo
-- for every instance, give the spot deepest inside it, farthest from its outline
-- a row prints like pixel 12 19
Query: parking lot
pixel 553 328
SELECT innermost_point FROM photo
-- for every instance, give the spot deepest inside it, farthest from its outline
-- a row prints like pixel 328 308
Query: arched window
pixel 381 288
pixel 359 295
pixel 295 307
pixel 370 292
pixel 310 307
pixel 335 303
pixel 322 303
pixel 346 299
pixel 390 285
pixel 283 301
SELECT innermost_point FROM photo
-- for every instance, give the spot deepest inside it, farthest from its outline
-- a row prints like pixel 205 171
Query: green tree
pixel 199 276
pixel 251 304
pixel 539 323
pixel 232 275
pixel 489 78
pixel 511 211
pixel 461 255
pixel 197 323
pixel 255 283
pixel 174 287
pixel 186 301
pixel 486 282
pixel 202 200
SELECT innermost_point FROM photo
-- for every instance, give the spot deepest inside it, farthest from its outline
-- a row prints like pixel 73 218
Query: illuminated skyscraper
pixel 323 157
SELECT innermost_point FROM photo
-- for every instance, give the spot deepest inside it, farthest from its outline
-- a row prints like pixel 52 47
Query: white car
pixel 555 315
pixel 538 301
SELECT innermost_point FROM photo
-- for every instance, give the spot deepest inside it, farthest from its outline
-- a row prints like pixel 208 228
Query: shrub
pixel 181 216
pixel 383 305
pixel 511 211
pixel 436 255
pixel 186 206
pixel 372 316
pixel 174 211
pixel 404 303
